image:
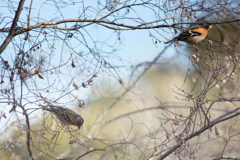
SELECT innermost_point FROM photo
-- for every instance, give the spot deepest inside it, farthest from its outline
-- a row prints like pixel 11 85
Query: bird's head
pixel 79 121
pixel 206 25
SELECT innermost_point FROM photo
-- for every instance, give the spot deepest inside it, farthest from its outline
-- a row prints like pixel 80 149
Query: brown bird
pixel 66 116
pixel 193 35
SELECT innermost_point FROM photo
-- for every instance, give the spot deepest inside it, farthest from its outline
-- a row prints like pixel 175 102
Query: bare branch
pixel 13 27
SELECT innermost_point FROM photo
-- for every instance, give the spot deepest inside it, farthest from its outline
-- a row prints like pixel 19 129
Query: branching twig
pixel 13 27
pixel 201 130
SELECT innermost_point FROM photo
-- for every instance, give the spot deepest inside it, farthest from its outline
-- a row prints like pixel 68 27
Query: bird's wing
pixel 195 33
pixel 184 36
pixel 66 113
pixel 60 112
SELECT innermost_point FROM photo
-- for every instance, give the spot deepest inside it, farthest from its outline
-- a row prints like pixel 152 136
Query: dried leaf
pixel 221 38
pixel 84 85
pixel 73 65
pixel 40 76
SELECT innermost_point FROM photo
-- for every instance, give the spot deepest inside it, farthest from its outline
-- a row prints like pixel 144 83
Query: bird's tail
pixel 50 108
pixel 173 40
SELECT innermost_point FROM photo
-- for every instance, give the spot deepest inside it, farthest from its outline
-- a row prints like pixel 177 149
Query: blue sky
pixel 136 45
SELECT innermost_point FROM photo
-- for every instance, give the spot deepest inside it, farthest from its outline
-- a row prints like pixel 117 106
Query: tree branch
pixel 12 29
pixel 212 123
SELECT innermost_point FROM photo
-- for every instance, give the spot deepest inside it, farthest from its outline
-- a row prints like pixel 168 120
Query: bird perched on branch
pixel 193 35
pixel 65 116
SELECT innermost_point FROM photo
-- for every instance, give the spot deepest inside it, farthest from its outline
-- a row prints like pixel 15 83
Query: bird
pixel 193 35
pixel 65 116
